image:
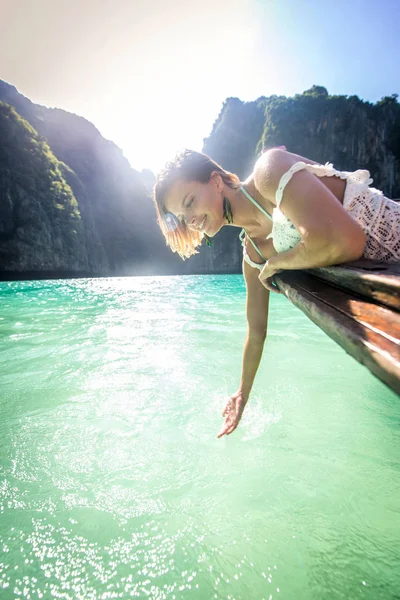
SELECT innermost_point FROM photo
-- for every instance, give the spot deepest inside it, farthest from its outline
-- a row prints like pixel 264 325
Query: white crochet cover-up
pixel 377 215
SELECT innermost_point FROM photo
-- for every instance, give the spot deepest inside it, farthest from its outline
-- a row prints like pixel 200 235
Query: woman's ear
pixel 216 178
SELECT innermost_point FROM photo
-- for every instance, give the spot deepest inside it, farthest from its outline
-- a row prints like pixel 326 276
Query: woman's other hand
pixel 266 277
pixel 233 413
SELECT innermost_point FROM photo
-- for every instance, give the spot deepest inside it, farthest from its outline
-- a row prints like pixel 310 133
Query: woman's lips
pixel 202 223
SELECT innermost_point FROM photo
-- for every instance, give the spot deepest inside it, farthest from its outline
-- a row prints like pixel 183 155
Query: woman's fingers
pixel 224 429
pixel 228 427
pixel 232 413
pixel 227 409
pixel 229 406
pixel 232 428
pixel 270 285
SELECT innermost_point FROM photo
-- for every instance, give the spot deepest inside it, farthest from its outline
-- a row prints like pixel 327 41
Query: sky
pixel 152 75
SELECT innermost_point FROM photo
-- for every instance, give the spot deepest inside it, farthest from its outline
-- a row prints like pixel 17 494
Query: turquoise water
pixel 114 485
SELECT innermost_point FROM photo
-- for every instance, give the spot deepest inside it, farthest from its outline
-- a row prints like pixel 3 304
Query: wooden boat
pixel 358 306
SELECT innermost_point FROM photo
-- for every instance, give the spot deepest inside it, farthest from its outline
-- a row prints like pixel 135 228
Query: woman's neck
pixel 245 214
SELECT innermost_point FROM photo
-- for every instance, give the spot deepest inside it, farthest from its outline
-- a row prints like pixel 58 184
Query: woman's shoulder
pixel 270 168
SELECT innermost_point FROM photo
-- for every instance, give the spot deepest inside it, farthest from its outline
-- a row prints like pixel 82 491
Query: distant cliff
pixel 40 223
pixel 71 204
pixel 350 133
pixel 118 230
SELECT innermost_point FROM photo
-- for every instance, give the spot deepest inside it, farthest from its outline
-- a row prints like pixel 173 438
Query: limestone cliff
pixel 119 226
pixel 70 203
pixel 40 223
pixel 350 133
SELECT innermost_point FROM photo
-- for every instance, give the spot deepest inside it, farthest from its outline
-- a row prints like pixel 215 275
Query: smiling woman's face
pixel 200 204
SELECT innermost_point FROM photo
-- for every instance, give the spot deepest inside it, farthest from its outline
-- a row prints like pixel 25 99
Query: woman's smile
pixel 203 222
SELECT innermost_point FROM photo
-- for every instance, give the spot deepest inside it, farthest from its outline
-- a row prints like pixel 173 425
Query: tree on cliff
pixel 40 223
pixel 344 130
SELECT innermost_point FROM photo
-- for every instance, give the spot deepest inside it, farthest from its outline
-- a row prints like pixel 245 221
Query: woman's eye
pixel 189 204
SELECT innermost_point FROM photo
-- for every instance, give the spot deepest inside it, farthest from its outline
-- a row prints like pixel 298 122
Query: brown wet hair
pixel 188 165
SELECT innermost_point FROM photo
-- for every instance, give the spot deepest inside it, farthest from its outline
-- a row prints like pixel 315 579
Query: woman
pixel 294 214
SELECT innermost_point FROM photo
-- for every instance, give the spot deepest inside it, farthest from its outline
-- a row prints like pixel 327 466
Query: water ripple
pixel 114 485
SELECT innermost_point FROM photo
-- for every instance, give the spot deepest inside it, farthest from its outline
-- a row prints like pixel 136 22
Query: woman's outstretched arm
pixel 257 303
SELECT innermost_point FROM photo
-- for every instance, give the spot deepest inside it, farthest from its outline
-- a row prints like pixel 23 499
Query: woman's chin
pixel 212 231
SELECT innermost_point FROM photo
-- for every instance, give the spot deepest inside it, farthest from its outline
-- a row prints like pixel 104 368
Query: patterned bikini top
pixel 284 234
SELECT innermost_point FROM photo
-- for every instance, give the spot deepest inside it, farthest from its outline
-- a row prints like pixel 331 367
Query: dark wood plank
pixel 369 333
pixel 379 282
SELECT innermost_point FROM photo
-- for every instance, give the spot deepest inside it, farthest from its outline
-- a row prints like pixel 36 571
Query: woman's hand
pixel 233 413
pixel 266 276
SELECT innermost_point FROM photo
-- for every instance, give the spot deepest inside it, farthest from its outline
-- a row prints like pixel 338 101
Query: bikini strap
pixel 242 237
pixel 246 193
pixel 286 177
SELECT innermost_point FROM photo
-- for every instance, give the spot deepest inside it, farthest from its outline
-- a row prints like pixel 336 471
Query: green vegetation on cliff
pixel 350 133
pixel 70 201
pixel 40 223
pixel 120 234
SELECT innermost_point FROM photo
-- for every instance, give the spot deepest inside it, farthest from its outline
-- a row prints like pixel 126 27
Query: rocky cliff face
pixel 40 223
pixel 118 218
pixel 346 131
pixel 107 224
pixel 236 134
